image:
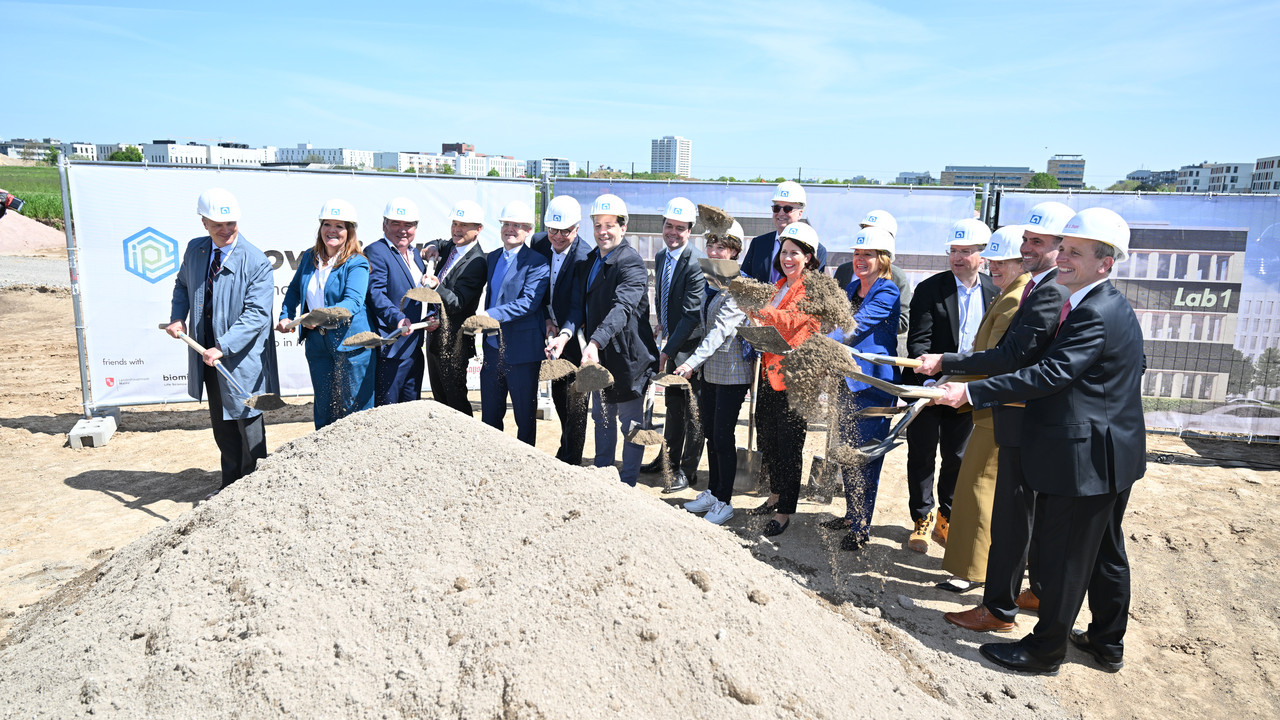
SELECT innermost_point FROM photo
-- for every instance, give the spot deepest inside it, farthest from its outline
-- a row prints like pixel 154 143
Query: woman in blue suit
pixel 332 274
pixel 876 305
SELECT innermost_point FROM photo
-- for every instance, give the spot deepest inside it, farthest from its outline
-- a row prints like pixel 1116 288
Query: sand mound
pixel 409 561
pixel 20 235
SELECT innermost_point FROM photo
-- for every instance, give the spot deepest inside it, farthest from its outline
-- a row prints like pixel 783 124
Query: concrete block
pixel 93 432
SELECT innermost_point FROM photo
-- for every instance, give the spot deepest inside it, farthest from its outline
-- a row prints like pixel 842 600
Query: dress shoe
pixel 940 529
pixel 838 523
pixel 1015 657
pixel 763 509
pixel 1027 600
pixel 720 513
pixel 678 482
pixel 854 542
pixel 774 528
pixel 978 619
pixel 653 466
pixel 704 502
pixel 1110 663
pixel 919 540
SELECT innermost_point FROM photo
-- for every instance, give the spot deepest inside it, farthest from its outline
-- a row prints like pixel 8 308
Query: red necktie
pixel 1027 290
pixel 1062 317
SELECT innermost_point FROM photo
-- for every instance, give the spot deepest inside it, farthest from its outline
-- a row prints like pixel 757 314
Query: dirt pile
pixel 751 295
pixel 409 561
pixel 20 235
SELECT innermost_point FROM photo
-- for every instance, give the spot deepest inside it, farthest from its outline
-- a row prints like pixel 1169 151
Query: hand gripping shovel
pixel 267 401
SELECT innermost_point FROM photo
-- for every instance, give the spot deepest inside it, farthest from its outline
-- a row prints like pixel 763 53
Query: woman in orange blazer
pixel 781 429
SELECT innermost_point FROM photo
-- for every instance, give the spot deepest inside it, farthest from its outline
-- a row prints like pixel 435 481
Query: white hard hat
pixel 969 232
pixel 789 191
pixel 735 230
pixel 881 219
pixel 681 210
pixel 563 212
pixel 609 204
pixel 801 233
pixel 337 209
pixel 1048 218
pixel 874 238
pixel 1005 244
pixel 467 211
pixel 401 208
pixel 1102 225
pixel 218 205
pixel 516 212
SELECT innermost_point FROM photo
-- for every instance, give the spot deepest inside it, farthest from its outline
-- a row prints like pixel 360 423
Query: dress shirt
pixel 557 262
pixel 969 302
pixel 315 288
pixel 414 273
pixel 226 252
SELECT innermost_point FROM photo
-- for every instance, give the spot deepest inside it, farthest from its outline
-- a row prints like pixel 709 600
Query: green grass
pixel 40 187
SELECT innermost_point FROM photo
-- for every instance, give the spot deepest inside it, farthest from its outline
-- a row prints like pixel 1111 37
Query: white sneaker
pixel 720 513
pixel 702 503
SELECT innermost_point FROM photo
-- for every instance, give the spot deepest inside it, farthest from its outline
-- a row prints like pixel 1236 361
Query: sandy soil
pixel 1205 618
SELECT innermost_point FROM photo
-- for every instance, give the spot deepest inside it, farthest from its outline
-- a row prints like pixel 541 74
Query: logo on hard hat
pixel 784 193
pixel 556 218
pixel 1036 219
pixel 873 218
pixel 860 240
pixel 604 206
pixel 399 211
pixel 335 212
pixel 461 213
pixel 151 255
pixel 677 210
pixel 995 247
pixel 959 234
pixel 225 210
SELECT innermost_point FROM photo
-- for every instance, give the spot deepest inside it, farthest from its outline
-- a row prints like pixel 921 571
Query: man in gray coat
pixel 225 286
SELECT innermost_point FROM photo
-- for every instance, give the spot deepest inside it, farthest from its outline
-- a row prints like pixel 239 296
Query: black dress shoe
pixel 839 523
pixel 773 528
pixel 653 466
pixel 763 509
pixel 1110 663
pixel 853 542
pixel 1015 657
pixel 678 482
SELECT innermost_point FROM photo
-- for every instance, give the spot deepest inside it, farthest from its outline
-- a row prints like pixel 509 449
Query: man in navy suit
pixel 681 286
pixel 518 280
pixel 566 252
pixel 946 310
pixel 394 268
pixel 460 280
pixel 788 207
pixel 1086 434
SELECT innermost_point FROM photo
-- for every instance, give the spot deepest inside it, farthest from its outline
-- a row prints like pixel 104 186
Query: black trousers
pixel 397 380
pixel 937 428
pixel 448 377
pixel 719 406
pixel 1081 549
pixel 241 442
pixel 783 455
pixel 1013 510
pixel 682 436
pixel 571 408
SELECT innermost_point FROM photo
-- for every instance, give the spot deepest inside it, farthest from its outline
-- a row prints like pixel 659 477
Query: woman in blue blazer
pixel 332 274
pixel 876 304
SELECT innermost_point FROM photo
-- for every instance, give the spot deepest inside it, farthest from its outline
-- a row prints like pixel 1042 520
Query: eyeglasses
pixel 564 233
pixel 963 251
pixel 788 209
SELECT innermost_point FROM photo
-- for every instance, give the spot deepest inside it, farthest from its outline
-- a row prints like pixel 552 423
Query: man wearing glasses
pixel 788 207
pixel 566 252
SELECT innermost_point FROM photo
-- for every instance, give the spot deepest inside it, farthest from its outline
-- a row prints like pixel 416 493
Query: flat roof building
pixel 671 154
pixel 983 174
pixel 1068 169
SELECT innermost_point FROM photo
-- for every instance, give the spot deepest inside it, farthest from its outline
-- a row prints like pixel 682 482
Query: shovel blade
pixel 422 295
pixel 265 402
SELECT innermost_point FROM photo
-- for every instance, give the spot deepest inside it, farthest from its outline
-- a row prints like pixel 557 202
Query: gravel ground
pixel 37 271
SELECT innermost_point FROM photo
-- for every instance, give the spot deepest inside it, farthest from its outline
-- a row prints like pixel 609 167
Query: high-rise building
pixel 672 154
pixel 1068 169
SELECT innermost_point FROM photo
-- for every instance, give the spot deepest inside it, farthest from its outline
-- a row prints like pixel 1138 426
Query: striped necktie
pixel 666 294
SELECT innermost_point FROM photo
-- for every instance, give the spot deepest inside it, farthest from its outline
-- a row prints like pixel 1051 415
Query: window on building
pixel 1206 386
pixel 1162 265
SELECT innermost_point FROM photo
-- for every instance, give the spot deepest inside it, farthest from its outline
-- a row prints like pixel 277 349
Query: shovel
pixel 374 340
pixel 720 272
pixel 906 392
pixel 717 220
pixel 267 401
pixel 886 359
pixel 765 338
pixel 321 317
pixel 422 294
pixel 592 377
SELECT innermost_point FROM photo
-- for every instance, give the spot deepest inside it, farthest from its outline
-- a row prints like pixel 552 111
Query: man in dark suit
pixel 394 268
pixel 1030 331
pixel 946 311
pixel 459 280
pixel 681 286
pixel 788 207
pixel 611 306
pixel 518 279
pixel 1086 432
pixel 566 253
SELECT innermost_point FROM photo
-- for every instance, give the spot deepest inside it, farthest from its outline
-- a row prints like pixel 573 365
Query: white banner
pixel 132 224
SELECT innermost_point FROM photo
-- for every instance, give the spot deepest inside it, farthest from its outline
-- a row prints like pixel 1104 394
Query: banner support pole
pixel 73 268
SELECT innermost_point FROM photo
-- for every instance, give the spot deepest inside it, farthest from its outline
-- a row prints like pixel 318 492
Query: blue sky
pixel 837 88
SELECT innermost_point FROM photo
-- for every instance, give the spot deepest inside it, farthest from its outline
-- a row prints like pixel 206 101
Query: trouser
pixel 1013 512
pixel 936 428
pixel 861 481
pixel 682 437
pixel 240 442
pixel 343 382
pixel 1081 549
pixel 571 408
pixel 448 376
pixel 719 406
pixel 784 455
pixel 608 418
pixel 520 381
pixel 397 380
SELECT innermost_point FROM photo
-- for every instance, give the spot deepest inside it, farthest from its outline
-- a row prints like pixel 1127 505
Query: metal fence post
pixel 73 267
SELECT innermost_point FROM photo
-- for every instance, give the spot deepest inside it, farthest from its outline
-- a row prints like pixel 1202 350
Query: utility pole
pixel 633 171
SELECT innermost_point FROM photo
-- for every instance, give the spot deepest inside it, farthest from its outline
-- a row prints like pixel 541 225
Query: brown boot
pixel 940 530
pixel 919 540
pixel 978 619
pixel 1027 600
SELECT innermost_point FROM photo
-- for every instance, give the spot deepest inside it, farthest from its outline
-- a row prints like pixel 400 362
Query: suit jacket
pixel 758 262
pixel 1030 331
pixel 518 304
pixel 875 332
pixel 794 326
pixel 613 311
pixel 1086 434
pixel 688 287
pixel 559 302
pixel 935 317
pixel 844 276
pixel 389 280
pixel 243 294
pixel 347 286
pixel 460 292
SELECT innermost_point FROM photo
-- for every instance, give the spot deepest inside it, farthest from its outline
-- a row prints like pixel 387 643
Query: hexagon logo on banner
pixel 151 255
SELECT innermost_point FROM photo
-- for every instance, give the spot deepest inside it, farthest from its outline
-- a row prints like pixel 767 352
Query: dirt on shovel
pixel 812 370
pixel 479 323
pixel 422 295
pixel 670 380
pixel 364 339
pixel 591 378
pixel 827 301
pixel 751 295
pixel 641 436
pixel 556 369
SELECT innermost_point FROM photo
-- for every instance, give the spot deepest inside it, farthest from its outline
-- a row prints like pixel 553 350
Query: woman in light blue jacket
pixel 334 274
pixel 726 377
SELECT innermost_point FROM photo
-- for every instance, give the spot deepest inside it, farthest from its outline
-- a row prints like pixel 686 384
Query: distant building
pixel 1189 178
pixel 1154 177
pixel 28 148
pixel 168 151
pixel 80 150
pixel 1265 179
pixel 1230 177
pixel 105 150
pixel 671 154
pixel 1068 169
pixel 982 174
pixel 237 154
pixel 346 157
pixel 915 178
pixel 555 167
pixel 459 148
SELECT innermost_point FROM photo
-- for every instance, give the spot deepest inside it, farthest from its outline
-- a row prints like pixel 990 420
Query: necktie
pixel 1062 317
pixel 453 255
pixel 774 274
pixel 1027 290
pixel 666 295
pixel 495 285
pixel 206 322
